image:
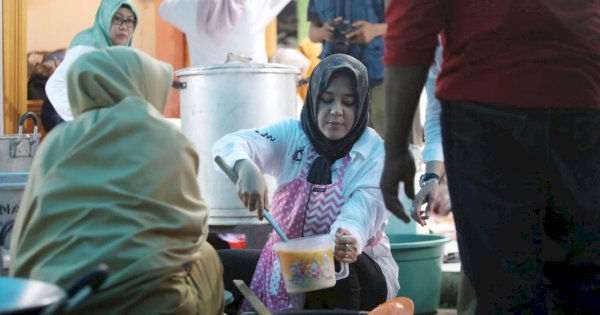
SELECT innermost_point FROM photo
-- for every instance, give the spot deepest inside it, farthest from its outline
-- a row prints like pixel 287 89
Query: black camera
pixel 340 43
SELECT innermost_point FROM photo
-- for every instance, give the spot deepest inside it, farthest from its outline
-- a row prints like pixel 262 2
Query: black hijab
pixel 331 150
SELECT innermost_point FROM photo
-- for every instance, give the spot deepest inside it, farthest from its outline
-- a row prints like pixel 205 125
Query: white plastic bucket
pixel 307 263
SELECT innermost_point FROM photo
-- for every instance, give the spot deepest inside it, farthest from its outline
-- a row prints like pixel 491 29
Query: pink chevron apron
pixel 297 219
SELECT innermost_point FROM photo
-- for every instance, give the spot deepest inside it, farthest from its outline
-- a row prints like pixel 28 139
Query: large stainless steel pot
pixel 221 99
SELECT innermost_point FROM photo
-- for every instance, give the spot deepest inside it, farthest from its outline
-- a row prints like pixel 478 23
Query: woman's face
pixel 336 106
pixel 121 27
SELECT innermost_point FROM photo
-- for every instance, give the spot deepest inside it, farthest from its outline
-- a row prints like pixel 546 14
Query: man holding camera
pixel 355 28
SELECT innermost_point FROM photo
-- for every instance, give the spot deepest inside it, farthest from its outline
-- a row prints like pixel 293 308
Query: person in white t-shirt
pixel 215 28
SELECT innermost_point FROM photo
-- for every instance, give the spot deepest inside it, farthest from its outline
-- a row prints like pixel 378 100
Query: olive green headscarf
pixel 99 35
pixel 117 185
pixel 105 78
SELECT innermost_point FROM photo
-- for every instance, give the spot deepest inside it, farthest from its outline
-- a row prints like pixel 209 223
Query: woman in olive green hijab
pixel 117 185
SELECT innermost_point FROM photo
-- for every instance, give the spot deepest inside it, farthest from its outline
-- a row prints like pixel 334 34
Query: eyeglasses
pixel 119 22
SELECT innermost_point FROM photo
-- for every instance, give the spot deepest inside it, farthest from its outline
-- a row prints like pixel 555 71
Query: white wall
pixel 51 24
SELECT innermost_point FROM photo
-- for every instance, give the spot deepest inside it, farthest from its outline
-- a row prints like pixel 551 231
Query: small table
pixel 24 295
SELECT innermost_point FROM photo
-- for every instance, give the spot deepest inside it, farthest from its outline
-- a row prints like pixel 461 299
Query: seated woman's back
pixel 117 185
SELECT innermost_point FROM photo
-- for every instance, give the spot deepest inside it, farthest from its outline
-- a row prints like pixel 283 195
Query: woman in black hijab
pixel 330 150
pixel 328 167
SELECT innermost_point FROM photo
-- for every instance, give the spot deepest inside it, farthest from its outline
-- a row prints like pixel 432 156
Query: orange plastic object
pixel 234 240
pixel 396 306
pixel 237 244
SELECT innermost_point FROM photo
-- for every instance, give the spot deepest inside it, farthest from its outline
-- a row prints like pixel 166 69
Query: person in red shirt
pixel 520 92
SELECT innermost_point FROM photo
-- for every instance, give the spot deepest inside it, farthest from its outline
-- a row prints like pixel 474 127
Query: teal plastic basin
pixel 419 258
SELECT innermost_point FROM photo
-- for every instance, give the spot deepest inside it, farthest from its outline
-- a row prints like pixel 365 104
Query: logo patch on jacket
pixel 265 135
pixel 298 155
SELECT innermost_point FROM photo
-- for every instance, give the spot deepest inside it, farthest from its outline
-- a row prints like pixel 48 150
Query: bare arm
pixel 403 86
pixel 435 167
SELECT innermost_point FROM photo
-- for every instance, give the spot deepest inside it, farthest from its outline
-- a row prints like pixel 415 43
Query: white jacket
pixel 281 149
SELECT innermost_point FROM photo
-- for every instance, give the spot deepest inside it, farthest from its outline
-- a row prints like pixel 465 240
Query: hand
pixel 395 170
pixel 326 30
pixel 363 32
pixel 436 196
pixel 346 246
pixel 252 187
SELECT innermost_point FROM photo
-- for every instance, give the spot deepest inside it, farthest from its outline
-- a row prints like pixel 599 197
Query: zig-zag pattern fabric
pixel 289 205
pixel 324 207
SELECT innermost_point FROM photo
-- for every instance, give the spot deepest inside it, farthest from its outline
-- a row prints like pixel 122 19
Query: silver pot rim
pixel 238 67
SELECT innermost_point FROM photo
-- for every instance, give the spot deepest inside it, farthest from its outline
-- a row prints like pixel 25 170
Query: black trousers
pixel 525 190
pixel 363 289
